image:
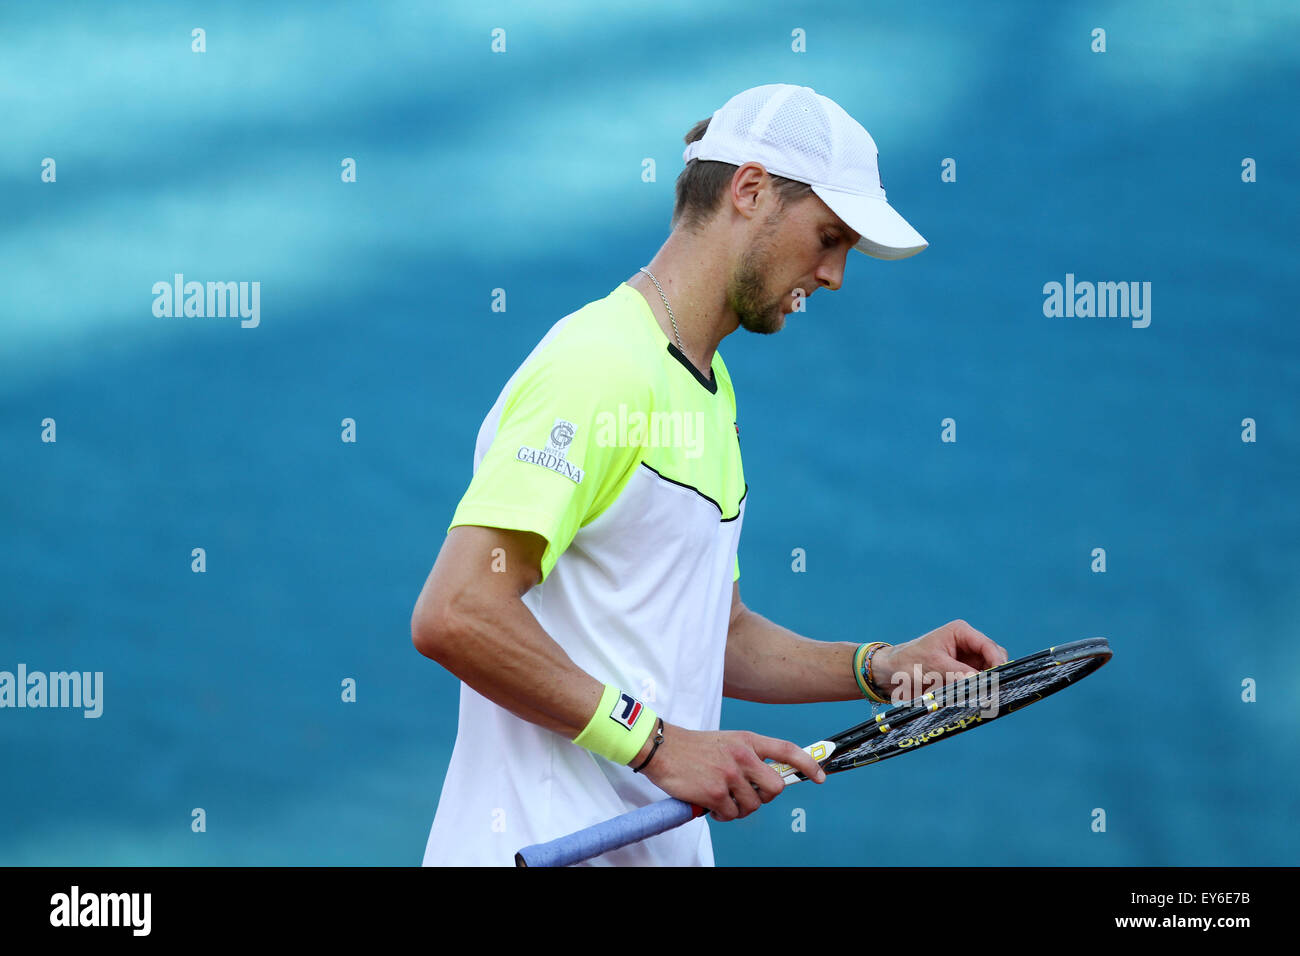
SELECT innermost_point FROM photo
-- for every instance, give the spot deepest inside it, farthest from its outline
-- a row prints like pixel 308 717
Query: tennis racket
pixel 942 713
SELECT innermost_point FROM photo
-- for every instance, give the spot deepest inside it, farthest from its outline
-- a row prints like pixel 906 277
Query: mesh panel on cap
pixel 858 159
pixel 805 137
pixel 792 128
pixel 744 117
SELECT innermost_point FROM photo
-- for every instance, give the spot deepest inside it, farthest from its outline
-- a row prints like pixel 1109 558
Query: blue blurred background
pixel 522 170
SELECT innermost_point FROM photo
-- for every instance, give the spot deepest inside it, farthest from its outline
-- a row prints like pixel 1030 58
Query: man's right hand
pixel 723 770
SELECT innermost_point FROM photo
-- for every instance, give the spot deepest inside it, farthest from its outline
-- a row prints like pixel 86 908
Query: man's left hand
pixel 945 655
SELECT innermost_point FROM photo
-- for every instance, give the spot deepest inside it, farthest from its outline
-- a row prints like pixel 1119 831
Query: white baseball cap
pixel 797 133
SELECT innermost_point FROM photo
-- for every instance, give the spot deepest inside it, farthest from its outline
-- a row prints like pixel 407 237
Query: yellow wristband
pixel 619 728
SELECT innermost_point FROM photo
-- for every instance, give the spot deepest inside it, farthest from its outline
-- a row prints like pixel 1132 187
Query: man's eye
pixel 828 241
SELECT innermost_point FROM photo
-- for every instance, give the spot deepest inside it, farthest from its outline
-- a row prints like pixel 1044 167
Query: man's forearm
pixel 774 665
pixel 505 655
pixel 475 625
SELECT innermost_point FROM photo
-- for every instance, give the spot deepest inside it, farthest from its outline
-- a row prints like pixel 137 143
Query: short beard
pixel 747 288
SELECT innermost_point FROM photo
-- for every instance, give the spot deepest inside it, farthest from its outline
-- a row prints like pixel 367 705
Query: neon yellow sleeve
pixel 554 465
pixel 725 379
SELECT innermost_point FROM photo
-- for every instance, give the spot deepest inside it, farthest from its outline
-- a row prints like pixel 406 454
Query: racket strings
pixel 969 703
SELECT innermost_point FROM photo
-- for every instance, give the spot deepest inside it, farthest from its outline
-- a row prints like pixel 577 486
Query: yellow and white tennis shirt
pixel 612 446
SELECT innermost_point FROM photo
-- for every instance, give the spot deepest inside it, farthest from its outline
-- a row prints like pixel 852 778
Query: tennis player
pixel 587 594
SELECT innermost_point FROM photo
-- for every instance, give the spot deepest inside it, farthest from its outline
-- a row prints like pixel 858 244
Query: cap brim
pixel 885 234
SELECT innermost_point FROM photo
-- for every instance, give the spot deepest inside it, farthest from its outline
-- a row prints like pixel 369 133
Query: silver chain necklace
pixel 671 317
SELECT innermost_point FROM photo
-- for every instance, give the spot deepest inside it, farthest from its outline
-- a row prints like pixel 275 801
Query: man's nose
pixel 831 275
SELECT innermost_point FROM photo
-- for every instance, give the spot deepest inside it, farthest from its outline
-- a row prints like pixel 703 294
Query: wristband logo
pixel 626 711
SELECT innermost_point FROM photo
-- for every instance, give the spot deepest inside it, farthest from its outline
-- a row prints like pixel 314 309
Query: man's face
pixel 801 246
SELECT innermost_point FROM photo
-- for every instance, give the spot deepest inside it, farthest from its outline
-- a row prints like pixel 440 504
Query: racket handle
pixel 617 832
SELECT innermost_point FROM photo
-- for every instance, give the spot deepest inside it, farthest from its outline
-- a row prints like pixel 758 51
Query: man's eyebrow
pixel 843 230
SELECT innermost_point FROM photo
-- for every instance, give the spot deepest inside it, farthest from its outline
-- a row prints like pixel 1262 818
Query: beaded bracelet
pixel 871 677
pixel 862 670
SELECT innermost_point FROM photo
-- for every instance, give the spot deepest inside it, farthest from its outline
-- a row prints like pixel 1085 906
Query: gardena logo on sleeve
pixel 80 689
pixel 552 456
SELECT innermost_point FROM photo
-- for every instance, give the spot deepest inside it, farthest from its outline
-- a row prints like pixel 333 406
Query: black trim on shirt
pixel 682 484
pixel 710 383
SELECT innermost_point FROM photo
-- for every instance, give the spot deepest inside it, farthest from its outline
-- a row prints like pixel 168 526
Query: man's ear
pixel 748 187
